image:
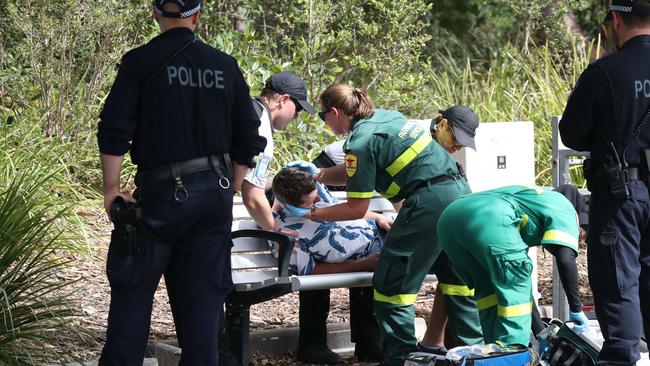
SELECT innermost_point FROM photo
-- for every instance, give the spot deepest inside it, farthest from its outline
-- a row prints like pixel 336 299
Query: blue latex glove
pixel 304 166
pixel 292 210
pixel 544 345
pixel 580 320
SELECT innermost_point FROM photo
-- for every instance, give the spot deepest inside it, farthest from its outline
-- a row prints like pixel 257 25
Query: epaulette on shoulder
pixel 130 52
pixel 602 60
pixel 127 55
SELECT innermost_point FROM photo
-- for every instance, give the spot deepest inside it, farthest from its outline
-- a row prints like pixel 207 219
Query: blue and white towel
pixel 329 241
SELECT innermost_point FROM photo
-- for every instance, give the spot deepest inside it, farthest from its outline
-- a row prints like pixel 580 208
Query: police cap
pixel 286 82
pixel 187 8
pixel 631 6
pixel 464 122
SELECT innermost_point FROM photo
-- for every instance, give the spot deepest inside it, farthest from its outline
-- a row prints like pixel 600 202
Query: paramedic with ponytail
pixel 399 159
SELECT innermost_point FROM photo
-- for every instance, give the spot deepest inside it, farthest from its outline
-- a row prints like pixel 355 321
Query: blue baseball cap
pixel 286 82
pixel 187 8
pixel 463 122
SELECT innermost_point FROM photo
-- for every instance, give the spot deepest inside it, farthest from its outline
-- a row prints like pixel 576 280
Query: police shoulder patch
pixel 350 164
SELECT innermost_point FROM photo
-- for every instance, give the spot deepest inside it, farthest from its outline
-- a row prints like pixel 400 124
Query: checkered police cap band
pixel 187 8
pixel 621 8
pixel 631 6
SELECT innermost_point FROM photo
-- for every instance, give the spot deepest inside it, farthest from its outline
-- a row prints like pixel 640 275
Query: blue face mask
pixel 292 210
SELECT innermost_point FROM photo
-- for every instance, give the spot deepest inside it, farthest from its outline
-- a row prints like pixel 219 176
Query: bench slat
pixel 250 261
pixel 254 279
pixel 377 204
pixel 337 280
pixel 381 206
pixel 244 224
pixel 249 245
pixel 250 281
pixel 239 212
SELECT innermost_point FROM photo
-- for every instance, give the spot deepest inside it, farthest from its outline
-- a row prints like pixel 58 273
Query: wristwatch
pixel 312 212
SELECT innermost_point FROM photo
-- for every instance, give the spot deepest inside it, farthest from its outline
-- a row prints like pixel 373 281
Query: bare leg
pixel 435 334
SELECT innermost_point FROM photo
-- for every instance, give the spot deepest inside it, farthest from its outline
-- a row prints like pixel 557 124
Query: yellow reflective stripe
pixel 557 236
pixel 523 222
pixel 486 302
pixel 392 190
pixel 410 154
pixel 360 194
pixel 456 290
pixel 514 310
pixel 402 299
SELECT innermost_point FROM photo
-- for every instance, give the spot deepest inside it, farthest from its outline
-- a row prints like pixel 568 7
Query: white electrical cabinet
pixel 505 155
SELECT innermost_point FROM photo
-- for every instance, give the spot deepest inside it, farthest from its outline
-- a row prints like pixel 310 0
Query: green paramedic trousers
pixel 486 249
pixel 409 252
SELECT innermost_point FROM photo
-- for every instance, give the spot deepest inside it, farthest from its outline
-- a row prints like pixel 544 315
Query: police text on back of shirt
pixel 195 78
pixel 642 88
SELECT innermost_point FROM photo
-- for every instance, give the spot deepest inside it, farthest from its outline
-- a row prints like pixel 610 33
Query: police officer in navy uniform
pixel 183 110
pixel 603 116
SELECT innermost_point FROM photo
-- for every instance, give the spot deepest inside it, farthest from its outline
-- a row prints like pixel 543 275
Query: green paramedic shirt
pixel 391 155
pixel 543 216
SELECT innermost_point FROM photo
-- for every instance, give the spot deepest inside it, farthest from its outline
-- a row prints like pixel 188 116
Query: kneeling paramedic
pixel 487 234
pixel 183 110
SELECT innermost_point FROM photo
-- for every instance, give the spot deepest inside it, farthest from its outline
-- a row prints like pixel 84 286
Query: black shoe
pixel 318 355
pixel 226 358
pixel 368 351
pixel 435 350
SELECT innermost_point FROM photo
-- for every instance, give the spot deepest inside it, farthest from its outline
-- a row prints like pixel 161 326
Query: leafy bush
pixel 35 304
pixel 518 85
pixel 415 56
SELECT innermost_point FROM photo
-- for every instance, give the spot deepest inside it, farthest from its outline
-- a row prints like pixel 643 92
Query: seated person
pixel 329 247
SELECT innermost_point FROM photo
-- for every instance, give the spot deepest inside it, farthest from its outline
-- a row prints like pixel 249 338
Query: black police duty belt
pixel 631 173
pixel 175 171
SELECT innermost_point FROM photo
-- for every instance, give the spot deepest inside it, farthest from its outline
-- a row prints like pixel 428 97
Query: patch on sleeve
pixel 350 164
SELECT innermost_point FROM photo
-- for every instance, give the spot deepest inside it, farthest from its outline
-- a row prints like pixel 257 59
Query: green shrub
pixel 35 303
pixel 518 85
pixel 58 65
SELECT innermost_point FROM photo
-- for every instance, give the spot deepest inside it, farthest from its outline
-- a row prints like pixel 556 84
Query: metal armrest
pixel 285 243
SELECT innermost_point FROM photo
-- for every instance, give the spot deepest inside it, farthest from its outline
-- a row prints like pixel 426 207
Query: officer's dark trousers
pixel 190 244
pixel 618 252
pixel 314 309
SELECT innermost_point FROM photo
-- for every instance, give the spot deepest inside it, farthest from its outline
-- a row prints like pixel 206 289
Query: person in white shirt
pixel 283 97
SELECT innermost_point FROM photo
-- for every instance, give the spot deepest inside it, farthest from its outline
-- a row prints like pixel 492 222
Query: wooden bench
pixel 259 276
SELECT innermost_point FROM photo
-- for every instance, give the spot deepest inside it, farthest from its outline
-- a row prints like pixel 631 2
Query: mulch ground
pixel 93 291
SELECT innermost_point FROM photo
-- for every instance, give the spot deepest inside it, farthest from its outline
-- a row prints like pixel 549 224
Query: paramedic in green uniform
pixel 399 160
pixel 487 234
pixel 453 129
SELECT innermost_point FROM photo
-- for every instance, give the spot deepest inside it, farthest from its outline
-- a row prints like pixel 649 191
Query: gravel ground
pixel 93 291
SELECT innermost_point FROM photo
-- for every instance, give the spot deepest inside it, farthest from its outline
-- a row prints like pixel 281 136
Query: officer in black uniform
pixel 604 116
pixel 183 110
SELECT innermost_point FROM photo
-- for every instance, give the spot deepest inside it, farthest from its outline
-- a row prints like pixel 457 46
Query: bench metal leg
pixel 237 327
